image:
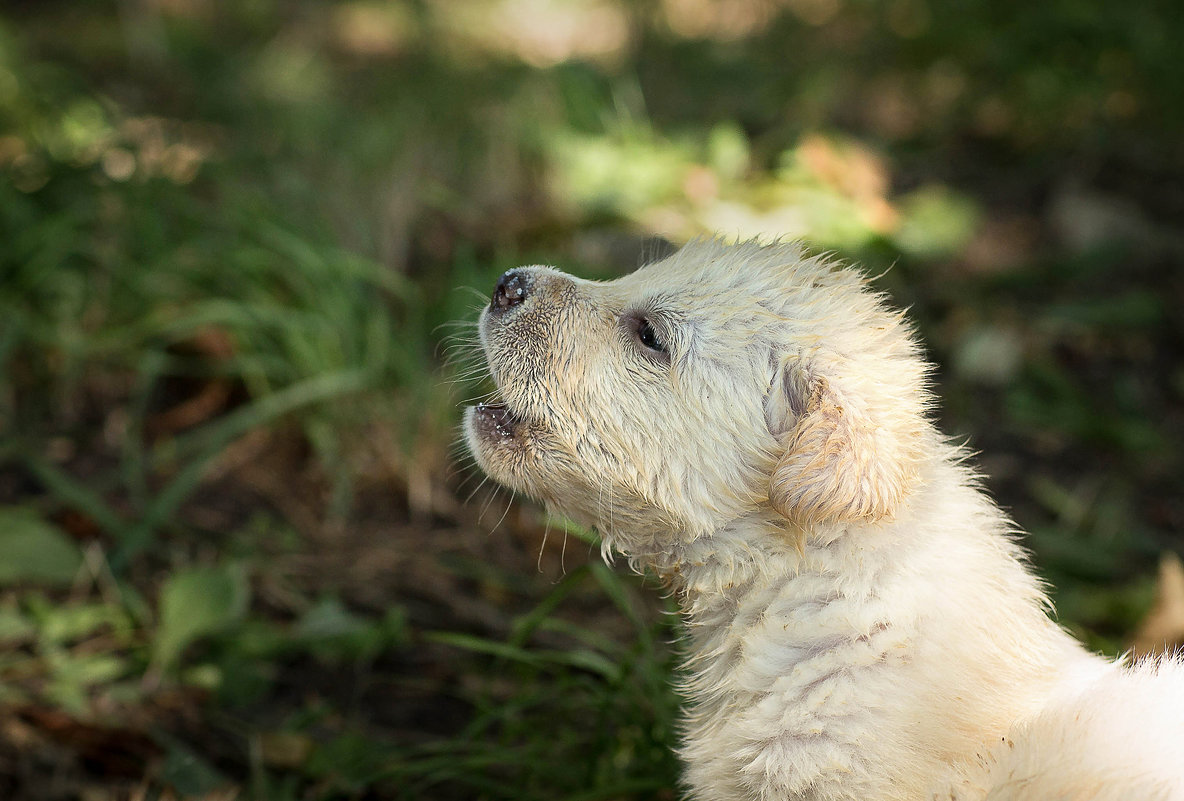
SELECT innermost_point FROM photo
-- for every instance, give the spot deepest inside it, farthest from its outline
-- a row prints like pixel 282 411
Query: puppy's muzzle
pixel 494 420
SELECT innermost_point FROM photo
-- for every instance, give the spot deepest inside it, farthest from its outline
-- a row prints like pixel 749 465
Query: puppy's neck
pixel 759 549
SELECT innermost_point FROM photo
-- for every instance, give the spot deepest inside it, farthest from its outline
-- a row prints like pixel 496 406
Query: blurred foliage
pixel 232 558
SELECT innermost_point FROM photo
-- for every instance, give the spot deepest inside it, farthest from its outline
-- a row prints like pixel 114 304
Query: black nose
pixel 510 291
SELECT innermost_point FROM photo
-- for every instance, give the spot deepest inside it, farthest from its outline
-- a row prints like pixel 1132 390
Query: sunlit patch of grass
pixel 827 189
pixel 540 34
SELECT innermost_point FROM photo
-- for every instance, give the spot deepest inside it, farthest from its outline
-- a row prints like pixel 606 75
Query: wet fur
pixel 861 623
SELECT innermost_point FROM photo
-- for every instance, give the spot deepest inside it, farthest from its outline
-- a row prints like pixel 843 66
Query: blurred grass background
pixel 239 557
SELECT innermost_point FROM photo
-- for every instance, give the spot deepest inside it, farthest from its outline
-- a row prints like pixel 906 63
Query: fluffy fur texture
pixel 752 425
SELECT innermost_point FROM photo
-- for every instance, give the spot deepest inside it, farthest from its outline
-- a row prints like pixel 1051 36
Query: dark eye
pixel 644 337
pixel 649 337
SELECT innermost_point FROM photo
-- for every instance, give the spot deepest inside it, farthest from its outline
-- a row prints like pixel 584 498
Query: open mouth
pixel 496 419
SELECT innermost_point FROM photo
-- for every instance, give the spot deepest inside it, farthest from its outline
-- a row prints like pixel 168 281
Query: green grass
pixel 612 692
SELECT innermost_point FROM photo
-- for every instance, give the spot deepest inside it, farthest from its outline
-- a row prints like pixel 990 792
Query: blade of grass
pixel 581 658
pixel 614 588
pixel 526 625
pixel 216 436
pixel 73 493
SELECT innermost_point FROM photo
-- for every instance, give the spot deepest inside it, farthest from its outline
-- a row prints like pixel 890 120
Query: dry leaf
pixel 1163 628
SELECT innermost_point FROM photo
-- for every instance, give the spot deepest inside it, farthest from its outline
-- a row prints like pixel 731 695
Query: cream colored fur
pixel 861 623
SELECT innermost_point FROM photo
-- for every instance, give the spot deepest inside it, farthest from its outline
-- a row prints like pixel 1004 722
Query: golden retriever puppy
pixel 753 425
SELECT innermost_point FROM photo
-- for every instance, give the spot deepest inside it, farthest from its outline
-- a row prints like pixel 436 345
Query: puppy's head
pixel 722 380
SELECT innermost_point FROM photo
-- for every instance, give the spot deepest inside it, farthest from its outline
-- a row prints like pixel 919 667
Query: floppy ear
pixel 840 463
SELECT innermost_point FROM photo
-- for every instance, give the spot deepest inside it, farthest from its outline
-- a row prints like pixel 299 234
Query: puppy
pixel 753 425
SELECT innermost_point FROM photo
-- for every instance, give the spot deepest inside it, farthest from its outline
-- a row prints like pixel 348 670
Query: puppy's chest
pixel 787 688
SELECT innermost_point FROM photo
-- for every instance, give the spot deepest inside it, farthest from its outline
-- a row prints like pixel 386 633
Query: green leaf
pixel 14 627
pixel 72 675
pixel 327 619
pixel 62 624
pixel 195 603
pixel 188 772
pixel 332 632
pixel 937 222
pixel 33 551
